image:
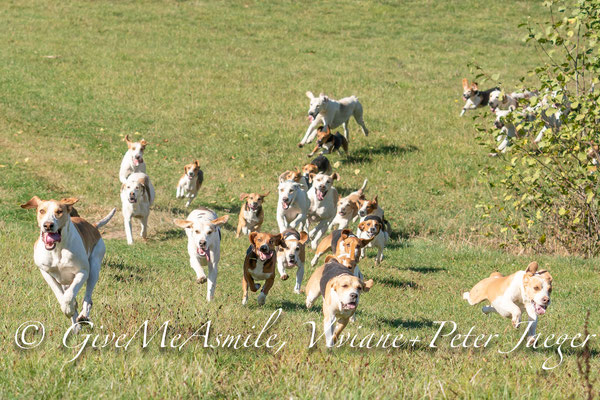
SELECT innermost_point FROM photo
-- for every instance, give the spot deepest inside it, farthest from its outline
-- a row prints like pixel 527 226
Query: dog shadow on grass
pixel 364 154
pixel 397 283
pixel 407 323
pixel 123 272
pixel 426 270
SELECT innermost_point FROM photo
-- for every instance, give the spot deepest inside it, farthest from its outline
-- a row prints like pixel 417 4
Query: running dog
pixel 347 208
pixel 373 228
pixel 260 263
pixel 292 255
pixel 319 165
pixel 509 296
pixel 332 113
pixel 323 199
pixel 329 143
pixel 190 182
pixel 251 213
pixel 473 97
pixel 133 160
pixel 292 206
pixel 69 253
pixel 203 230
pixel 137 195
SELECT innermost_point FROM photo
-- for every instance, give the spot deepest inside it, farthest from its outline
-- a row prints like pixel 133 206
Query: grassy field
pixel 224 82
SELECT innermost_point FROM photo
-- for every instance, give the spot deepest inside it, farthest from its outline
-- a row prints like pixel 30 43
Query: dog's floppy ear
pixel 220 221
pixel 182 223
pixel 465 83
pixel 34 202
pixel 310 95
pixel 335 176
pixel 279 240
pixel 363 242
pixel 252 236
pixel 367 285
pixel 265 194
pixel 311 176
pixel 143 143
pixel 185 169
pixel 330 258
pixel 303 237
pixel 345 233
pixel 129 142
pixel 474 86
pixel 197 163
pixel 69 201
pixel 362 225
pixel 532 268
pixel 375 199
pixel 243 196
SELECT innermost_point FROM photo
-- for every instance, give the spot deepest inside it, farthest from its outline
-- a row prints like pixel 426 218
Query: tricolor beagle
pixel 292 255
pixel 190 182
pixel 259 264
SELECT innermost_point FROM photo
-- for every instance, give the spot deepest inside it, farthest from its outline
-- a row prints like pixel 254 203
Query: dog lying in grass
pixel 509 296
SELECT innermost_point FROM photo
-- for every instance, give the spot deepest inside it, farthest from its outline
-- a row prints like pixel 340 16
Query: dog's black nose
pixel 202 243
pixel 353 296
pixel 264 248
pixel 545 299
pixel 48 226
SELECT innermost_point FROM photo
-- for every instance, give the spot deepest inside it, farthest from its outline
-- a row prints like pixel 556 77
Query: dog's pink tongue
pixel 540 310
pixel 310 118
pixel 319 195
pixel 351 306
pixel 51 237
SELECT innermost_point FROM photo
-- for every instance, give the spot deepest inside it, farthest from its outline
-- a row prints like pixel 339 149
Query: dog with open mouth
pixel 341 292
pixel 203 230
pixel 133 160
pixel 137 195
pixel 323 200
pixel 259 264
pixel 69 253
pixel 251 214
pixel 373 228
pixel 190 182
pixel 509 296
pixel 292 255
pixel 331 114
pixel 292 206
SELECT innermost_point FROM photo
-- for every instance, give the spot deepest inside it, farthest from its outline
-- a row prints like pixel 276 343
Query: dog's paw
pixel 257 286
pixel 201 280
pixel 261 299
pixel 68 307
pixel 244 301
pixel 530 340
pixel 516 322
pixel 300 145
pixel 284 277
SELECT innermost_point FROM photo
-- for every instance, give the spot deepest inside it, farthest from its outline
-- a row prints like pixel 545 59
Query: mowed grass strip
pixel 224 82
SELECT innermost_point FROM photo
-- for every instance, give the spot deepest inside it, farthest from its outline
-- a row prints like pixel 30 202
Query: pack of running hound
pixel 310 213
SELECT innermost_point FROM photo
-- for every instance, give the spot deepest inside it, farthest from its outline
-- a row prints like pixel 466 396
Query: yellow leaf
pixel 336 164
pixel 356 171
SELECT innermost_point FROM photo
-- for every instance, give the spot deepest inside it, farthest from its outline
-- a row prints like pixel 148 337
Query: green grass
pixel 224 82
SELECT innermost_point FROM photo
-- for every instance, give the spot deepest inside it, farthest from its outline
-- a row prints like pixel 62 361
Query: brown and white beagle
pixel 259 264
pixel 133 160
pixel 329 142
pixel 190 182
pixel 251 213
pixel 292 255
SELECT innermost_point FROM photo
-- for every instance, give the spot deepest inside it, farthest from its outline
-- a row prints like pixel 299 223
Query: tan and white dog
pixel 373 228
pixel 509 296
pixel 347 208
pixel 190 182
pixel 133 160
pixel 323 200
pixel 294 176
pixel 251 213
pixel 68 252
pixel 292 206
pixel 259 264
pixel 345 246
pixel 331 114
pixel 203 230
pixel 137 195
pixel 473 97
pixel 319 164
pixel 341 292
pixel 292 255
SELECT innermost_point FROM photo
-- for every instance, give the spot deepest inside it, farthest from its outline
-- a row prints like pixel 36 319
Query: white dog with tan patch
pixel 292 255
pixel 137 195
pixel 133 160
pixel 331 114
pixel 203 230
pixel 323 200
pixel 292 206
pixel 69 253
pixel 190 182
pixel 509 296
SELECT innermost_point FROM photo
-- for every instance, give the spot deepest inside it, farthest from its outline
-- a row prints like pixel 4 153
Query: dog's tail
pixel 105 220
pixel 364 186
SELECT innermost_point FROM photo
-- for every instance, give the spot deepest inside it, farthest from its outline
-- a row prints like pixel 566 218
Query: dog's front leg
pixel 346 131
pixel 298 220
pixel 281 221
pixel 68 304
pixel 213 270
pixel 328 323
pixel 54 285
pixel 144 222
pixel 281 268
pixel 127 223
pixel 341 324
pixel 265 290
pixel 310 132
pixel 195 264
pixel 313 152
pixel 299 277
pixel 318 233
pixel 379 257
